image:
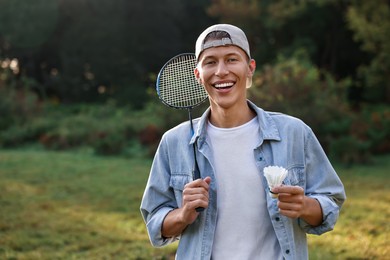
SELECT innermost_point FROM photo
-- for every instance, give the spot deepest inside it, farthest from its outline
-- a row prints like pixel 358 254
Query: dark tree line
pixel 88 50
pixel 91 50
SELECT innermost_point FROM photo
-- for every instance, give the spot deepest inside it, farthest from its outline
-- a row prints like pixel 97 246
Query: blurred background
pixel 77 79
pixel 325 61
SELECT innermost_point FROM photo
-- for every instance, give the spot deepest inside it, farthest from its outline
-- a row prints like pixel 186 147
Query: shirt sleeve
pixel 158 199
pixel 322 184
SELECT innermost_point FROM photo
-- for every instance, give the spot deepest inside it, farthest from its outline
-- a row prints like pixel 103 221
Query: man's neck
pixel 228 118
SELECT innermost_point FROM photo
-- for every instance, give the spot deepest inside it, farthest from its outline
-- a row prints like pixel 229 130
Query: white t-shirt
pixel 244 229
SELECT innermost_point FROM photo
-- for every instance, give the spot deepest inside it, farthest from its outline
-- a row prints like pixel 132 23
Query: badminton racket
pixel 177 87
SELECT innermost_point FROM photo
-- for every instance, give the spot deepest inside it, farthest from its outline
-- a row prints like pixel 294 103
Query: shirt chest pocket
pixel 295 177
pixel 177 183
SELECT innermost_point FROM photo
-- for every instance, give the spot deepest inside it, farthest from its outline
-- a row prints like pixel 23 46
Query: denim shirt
pixel 284 141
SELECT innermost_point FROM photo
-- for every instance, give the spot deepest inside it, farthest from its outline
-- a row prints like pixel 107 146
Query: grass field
pixel 79 206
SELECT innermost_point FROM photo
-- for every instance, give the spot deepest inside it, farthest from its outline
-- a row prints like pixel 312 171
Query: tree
pixel 92 50
pixel 282 27
pixel 370 22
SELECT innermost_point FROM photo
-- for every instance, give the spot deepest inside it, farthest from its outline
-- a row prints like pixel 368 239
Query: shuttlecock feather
pixel 275 176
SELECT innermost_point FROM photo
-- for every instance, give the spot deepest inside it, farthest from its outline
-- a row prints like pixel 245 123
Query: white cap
pixel 237 38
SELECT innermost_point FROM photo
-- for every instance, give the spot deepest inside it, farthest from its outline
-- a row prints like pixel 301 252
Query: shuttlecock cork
pixel 275 176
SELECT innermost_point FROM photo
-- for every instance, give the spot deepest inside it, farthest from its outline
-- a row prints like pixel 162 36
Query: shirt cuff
pixel 154 226
pixel 330 214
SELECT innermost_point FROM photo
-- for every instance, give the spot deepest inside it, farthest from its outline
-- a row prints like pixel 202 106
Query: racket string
pixel 178 86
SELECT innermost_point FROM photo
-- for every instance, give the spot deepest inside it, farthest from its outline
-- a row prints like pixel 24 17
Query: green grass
pixel 72 206
pixel 56 205
pixel 363 229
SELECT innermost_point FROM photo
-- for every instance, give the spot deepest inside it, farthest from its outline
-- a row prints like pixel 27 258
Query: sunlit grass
pixel 63 205
pixel 56 205
pixel 363 229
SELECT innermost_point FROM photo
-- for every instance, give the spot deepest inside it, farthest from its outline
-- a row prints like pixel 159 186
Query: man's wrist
pixel 312 211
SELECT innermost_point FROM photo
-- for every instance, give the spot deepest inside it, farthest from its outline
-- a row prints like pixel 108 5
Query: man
pixel 236 140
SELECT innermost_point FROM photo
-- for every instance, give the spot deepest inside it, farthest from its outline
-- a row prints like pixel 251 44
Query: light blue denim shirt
pixel 284 141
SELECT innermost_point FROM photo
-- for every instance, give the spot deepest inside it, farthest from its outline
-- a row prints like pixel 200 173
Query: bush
pixel 373 124
pixel 349 150
pixel 296 87
pixel 292 86
pixel 29 132
pixel 365 133
pixel 106 128
pixel 70 131
pixel 109 143
pixel 18 104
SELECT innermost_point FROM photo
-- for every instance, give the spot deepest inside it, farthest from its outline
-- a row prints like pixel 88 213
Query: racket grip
pixel 200 209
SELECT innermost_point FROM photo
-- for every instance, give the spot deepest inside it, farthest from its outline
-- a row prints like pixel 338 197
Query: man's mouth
pixel 223 85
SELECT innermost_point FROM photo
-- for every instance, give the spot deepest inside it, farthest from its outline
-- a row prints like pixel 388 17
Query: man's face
pixel 224 71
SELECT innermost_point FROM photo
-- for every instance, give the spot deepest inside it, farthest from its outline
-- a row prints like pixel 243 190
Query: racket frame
pixel 160 77
pixel 195 170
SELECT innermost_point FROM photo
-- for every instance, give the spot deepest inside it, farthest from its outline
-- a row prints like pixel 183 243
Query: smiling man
pixel 235 141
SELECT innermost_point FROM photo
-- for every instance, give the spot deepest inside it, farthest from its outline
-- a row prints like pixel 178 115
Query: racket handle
pixel 200 209
pixel 196 172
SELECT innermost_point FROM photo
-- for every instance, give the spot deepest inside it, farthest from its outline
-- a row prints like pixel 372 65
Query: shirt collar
pixel 268 128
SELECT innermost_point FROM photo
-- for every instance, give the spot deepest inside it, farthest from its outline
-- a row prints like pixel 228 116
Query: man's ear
pixel 197 75
pixel 252 67
pixel 251 71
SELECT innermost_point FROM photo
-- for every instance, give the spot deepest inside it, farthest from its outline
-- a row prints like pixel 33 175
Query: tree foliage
pixel 282 27
pixel 295 87
pixel 370 21
pixel 89 50
pixel 325 61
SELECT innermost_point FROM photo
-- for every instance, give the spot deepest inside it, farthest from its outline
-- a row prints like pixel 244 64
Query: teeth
pixel 224 85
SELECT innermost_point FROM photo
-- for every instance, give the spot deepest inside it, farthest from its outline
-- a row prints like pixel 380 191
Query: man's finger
pixel 288 189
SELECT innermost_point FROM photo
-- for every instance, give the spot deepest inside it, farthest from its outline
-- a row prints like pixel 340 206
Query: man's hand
pixel 195 195
pixel 294 204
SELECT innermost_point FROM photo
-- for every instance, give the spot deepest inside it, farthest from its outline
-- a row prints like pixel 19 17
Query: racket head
pixel 176 84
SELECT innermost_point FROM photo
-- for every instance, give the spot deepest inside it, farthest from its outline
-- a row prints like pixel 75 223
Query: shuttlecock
pixel 275 176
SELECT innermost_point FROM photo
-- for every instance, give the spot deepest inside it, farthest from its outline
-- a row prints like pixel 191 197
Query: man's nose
pixel 222 69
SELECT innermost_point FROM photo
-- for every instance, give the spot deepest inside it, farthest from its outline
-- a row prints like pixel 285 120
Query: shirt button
pixel 287 251
pixel 277 218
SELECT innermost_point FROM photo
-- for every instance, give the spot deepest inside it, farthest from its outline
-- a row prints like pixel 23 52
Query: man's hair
pixel 216 35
